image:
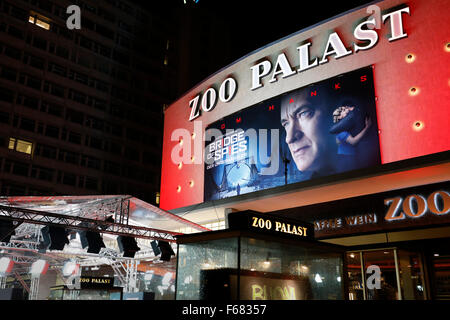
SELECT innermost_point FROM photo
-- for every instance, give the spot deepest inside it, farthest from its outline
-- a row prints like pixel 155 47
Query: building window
pixel 20 145
pixel 40 22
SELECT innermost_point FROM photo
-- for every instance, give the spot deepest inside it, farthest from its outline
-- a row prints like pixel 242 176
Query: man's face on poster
pixel 307 122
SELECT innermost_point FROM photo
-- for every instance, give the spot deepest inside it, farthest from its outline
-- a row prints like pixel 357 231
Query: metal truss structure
pixel 81 223
pixel 81 213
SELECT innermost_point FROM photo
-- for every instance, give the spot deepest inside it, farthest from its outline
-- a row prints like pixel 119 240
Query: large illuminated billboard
pixel 406 47
pixel 323 129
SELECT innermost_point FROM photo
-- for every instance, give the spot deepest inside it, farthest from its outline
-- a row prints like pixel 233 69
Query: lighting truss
pixel 82 223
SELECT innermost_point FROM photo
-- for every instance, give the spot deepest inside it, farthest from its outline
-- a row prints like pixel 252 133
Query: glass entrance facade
pixel 385 274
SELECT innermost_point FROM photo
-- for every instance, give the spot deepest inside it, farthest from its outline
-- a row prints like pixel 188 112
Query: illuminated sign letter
pixel 283 64
pixel 227 90
pixel 303 52
pixel 394 206
pixel 195 110
pixel 209 99
pixel 408 206
pixel 396 23
pixel 439 197
pixel 337 46
pixel 257 292
pixel 370 35
pixel 257 73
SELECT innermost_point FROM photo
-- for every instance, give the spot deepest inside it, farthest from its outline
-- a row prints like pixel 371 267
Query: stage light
pixel 6 265
pixel 92 240
pixel 70 268
pixel 155 247
pixel 39 267
pixel 54 238
pixel 128 246
pixel 166 250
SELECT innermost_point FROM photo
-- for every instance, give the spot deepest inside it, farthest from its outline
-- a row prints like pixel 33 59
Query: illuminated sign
pixel 250 220
pixel 363 33
pixel 315 131
pixel 415 206
pixel 267 288
pixel 96 282
pixel 421 206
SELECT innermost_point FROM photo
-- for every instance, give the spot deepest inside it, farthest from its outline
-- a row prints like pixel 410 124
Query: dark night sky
pixel 256 23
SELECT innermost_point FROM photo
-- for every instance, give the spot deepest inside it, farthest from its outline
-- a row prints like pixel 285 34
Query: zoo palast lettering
pixel 366 38
pixel 267 224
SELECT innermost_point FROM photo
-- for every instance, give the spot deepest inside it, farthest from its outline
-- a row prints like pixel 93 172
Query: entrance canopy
pixel 124 208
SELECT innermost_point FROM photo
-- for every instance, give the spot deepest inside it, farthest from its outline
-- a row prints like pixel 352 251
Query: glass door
pixel 385 274
pixel 380 275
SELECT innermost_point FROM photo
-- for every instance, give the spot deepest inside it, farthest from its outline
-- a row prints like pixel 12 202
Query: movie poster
pixel 319 130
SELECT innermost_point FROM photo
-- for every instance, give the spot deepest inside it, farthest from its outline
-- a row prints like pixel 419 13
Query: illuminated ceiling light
pixel 413 91
pixel 418 125
pixel 178 188
pixel 352 255
pixel 410 58
pixel 447 47
pixel 318 278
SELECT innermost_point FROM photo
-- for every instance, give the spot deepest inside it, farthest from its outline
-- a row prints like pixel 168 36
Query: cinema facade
pixel 343 125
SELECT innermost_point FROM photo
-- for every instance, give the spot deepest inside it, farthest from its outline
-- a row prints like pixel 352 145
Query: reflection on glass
pixel 283 272
pixel 355 285
pixel 267 270
pixel 383 261
pixel 441 266
pixel 194 258
pixel 411 275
